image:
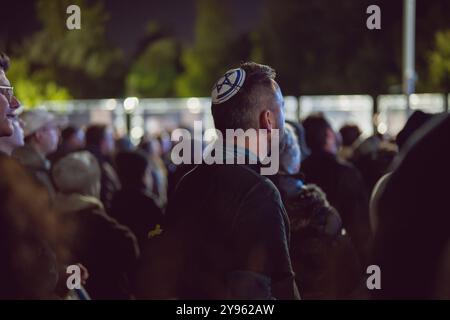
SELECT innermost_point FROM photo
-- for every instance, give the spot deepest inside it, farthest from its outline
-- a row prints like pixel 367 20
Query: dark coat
pixel 137 210
pixel 324 259
pixel 107 249
pixel 345 190
pixel 413 210
pixel 227 237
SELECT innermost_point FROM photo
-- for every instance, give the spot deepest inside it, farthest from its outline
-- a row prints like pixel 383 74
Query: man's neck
pixel 247 146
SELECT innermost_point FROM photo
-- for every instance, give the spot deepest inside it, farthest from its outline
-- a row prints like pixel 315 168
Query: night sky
pixel 129 18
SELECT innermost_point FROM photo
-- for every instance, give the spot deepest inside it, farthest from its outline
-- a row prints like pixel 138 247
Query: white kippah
pixel 228 85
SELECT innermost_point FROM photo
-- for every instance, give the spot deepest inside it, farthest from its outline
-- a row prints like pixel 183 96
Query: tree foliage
pixel 440 61
pixel 214 51
pixel 80 60
pixel 156 66
pixel 33 88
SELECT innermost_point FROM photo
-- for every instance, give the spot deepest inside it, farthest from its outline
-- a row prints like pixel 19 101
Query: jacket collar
pixel 29 157
pixel 74 202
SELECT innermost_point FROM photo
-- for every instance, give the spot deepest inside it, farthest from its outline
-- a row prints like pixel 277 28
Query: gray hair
pixel 290 156
pixel 78 172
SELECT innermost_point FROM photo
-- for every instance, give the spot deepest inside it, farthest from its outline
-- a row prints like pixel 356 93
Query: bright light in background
pixel 194 105
pixel 153 126
pixel 210 135
pixel 382 128
pixel 130 104
pixel 137 133
pixel 414 99
pixel 111 104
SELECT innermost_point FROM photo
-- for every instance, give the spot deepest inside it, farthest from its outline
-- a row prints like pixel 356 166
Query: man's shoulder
pixel 238 183
pixel 243 175
pixel 29 157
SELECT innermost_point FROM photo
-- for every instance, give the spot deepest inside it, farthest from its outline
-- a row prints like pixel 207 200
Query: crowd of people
pixel 139 226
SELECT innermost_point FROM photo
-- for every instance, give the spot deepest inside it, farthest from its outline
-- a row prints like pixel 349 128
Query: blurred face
pixel 9 144
pixel 331 145
pixel 8 103
pixel 108 143
pixel 77 141
pixel 290 156
pixel 47 138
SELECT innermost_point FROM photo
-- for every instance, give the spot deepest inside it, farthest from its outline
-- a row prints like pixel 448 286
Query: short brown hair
pixel 239 111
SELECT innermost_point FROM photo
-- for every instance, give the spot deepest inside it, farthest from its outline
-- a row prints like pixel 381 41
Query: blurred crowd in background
pixel 80 195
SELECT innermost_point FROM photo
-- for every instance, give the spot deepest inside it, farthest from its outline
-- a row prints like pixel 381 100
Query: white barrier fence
pixel 155 115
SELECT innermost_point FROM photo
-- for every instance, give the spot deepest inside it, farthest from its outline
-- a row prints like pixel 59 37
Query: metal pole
pixel 409 23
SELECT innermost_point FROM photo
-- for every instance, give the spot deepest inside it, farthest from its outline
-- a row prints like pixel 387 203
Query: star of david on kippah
pixel 226 81
pixel 228 85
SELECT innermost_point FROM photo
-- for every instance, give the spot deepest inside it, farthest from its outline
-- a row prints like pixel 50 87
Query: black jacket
pixel 228 231
pixel 345 190
pixel 136 209
pixel 413 209
pixel 325 261
pixel 106 248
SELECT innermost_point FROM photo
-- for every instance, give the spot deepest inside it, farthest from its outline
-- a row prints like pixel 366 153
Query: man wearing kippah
pixel 230 218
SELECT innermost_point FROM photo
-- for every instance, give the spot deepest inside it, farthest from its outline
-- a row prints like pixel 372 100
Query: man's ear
pixel 265 120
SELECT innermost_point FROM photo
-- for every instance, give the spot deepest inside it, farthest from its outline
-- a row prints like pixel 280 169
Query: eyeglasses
pixel 8 92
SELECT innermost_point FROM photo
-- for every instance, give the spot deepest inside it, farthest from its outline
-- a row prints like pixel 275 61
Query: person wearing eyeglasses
pixel 14 141
pixel 8 102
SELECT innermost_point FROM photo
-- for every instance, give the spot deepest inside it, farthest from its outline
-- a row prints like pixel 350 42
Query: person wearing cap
pixel 8 102
pixel 41 130
pixel 226 222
